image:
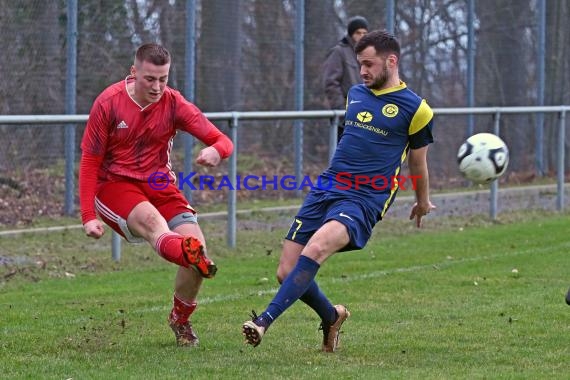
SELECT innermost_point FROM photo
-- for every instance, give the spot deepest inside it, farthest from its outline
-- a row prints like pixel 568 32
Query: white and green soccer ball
pixel 483 158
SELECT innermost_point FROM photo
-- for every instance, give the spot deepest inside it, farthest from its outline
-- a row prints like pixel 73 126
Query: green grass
pixel 441 303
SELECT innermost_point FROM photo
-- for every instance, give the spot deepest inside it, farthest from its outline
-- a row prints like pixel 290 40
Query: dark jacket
pixel 341 71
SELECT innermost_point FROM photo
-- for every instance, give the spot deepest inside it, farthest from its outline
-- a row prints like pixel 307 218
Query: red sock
pixel 182 310
pixel 169 246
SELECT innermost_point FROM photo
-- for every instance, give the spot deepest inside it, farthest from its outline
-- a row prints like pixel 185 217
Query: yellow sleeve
pixel 421 118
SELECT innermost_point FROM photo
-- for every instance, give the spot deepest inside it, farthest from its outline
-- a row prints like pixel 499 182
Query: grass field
pixel 463 298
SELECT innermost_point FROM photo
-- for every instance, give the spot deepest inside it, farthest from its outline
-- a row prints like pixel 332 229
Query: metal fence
pixel 248 55
pixel 236 119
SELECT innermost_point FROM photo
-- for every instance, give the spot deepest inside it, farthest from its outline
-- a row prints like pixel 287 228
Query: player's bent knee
pixel 316 251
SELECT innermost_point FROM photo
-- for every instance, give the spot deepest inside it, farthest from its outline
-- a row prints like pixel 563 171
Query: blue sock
pixel 294 286
pixel 315 298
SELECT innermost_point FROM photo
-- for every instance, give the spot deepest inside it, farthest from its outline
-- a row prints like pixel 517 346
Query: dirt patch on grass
pixel 29 196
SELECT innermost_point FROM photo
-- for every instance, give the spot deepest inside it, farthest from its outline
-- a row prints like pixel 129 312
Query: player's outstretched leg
pixel 195 254
pixel 331 332
pixel 568 297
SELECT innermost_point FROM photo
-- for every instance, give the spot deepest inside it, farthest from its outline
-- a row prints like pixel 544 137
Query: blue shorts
pixel 320 207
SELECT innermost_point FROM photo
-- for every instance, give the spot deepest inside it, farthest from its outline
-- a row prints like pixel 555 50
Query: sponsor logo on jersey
pixel 369 127
pixel 390 110
pixel 364 117
pixel 122 125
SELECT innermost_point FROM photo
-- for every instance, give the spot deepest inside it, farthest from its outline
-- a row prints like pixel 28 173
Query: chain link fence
pixel 245 61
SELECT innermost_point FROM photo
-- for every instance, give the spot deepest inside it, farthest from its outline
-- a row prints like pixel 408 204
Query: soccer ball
pixel 483 158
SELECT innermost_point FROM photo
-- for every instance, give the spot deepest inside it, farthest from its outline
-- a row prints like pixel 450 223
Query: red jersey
pixel 133 141
pixel 136 142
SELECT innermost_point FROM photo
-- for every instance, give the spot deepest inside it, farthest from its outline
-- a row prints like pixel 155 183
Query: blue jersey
pixel 380 128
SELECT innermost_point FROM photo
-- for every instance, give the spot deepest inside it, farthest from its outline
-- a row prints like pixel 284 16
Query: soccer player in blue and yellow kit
pixel 385 123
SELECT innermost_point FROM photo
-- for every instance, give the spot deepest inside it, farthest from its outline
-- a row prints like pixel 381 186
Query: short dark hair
pixel 382 40
pixel 153 53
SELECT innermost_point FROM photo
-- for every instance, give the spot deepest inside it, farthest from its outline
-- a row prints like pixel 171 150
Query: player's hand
pixel 94 228
pixel 208 157
pixel 419 210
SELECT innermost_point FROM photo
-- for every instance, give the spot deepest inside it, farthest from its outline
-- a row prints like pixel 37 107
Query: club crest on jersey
pixel 364 117
pixel 390 110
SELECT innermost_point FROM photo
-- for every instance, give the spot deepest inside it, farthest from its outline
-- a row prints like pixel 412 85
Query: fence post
pixel 333 136
pixel 470 65
pixel 495 183
pixel 70 106
pixel 560 161
pixel 232 195
pixel 189 85
pixel 116 246
pixel 390 11
pixel 540 75
pixel 299 87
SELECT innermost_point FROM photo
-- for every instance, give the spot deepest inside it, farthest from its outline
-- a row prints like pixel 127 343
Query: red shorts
pixel 115 200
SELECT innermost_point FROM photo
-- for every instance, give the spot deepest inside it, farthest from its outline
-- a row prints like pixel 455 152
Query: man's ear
pixel 393 60
pixel 133 70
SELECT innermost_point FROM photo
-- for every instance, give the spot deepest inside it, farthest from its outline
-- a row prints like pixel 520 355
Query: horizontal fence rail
pixel 234 118
pixel 283 115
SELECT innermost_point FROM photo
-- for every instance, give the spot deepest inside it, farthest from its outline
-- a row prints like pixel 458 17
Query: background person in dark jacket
pixel 341 70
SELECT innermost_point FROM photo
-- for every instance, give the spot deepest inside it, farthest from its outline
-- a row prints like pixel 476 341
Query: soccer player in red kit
pixel 125 150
